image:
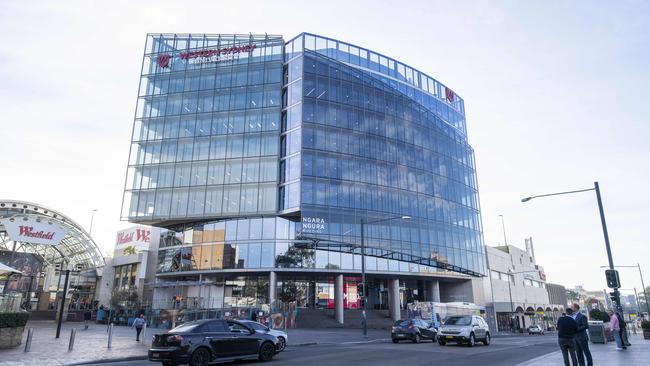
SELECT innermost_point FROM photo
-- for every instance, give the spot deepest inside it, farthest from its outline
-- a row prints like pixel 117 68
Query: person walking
pixel 616 329
pixel 88 315
pixel 138 323
pixel 567 328
pixel 582 339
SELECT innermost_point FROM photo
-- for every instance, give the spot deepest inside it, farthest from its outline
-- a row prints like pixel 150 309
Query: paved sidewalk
pixel 90 345
pixel 604 354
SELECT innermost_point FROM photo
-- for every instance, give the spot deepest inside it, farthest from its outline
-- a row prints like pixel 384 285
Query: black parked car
pixel 414 330
pixel 202 342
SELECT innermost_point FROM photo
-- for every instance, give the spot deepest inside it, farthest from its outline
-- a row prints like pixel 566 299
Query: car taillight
pixel 174 339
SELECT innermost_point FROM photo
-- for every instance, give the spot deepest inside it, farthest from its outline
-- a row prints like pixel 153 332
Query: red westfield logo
pixel 141 235
pixel 29 232
pixel 163 60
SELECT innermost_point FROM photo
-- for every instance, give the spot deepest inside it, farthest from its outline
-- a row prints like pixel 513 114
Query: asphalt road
pixel 502 352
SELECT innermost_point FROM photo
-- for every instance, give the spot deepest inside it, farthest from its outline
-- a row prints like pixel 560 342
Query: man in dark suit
pixel 566 333
pixel 582 339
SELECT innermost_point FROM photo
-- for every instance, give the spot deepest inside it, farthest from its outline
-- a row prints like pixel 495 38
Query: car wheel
pixel 487 339
pixel 167 363
pixel 282 344
pixel 472 340
pixel 442 343
pixel 395 340
pixel 416 339
pixel 200 357
pixel 267 350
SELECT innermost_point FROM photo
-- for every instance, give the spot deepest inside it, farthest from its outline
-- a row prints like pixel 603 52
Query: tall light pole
pixel 511 273
pixel 503 225
pixel 92 217
pixel 602 222
pixel 364 298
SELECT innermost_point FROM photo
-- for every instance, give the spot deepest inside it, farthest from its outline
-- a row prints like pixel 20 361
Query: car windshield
pixel 459 320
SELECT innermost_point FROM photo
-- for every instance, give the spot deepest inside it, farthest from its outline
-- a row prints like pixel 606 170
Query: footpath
pixel 90 345
pixel 604 354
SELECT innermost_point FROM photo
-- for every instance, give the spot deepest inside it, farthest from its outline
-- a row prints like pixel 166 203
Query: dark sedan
pixel 202 342
pixel 414 330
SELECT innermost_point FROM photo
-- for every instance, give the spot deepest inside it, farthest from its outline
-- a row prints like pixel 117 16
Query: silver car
pixel 464 329
pixel 261 328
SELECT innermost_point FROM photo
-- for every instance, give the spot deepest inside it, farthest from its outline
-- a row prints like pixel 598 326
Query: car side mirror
pixel 251 331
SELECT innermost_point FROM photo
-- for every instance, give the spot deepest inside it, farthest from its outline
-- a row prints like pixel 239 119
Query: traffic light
pixel 614 296
pixel 612 278
pixel 360 290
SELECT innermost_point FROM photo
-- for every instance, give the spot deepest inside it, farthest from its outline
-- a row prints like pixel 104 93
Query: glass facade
pixel 205 138
pixel 244 146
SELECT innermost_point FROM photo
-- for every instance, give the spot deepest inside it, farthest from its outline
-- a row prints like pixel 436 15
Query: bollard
pixel 110 335
pixel 28 343
pixel 73 333
pixel 144 333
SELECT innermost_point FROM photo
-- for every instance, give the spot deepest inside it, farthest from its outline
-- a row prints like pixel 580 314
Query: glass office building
pixel 266 159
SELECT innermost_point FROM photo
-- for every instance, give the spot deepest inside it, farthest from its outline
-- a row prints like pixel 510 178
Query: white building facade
pixel 516 287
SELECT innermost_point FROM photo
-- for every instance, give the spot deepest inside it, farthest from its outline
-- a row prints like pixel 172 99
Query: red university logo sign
pixel 450 95
pixel 163 60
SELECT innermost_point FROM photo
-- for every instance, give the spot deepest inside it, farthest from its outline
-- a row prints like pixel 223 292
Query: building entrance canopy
pixel 30 228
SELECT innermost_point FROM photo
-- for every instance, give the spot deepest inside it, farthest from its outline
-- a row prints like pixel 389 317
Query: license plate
pixel 155 355
pixel 450 337
pixel 400 335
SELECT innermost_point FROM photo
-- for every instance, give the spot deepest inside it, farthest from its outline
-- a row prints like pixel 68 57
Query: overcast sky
pixel 556 94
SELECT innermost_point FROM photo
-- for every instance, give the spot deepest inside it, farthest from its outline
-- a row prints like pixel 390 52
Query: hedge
pixel 13 320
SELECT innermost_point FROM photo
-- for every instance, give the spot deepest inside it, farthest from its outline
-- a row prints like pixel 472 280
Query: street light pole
pixel 503 225
pixel 363 282
pixel 92 217
pixel 512 308
pixel 364 298
pixel 603 224
pixel 645 292
pixel 65 290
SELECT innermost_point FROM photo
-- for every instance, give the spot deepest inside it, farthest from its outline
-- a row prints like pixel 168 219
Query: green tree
pixel 572 296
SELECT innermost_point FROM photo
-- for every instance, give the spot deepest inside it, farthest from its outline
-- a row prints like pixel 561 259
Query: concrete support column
pixel 433 291
pixel 338 299
pixel 273 282
pixel 393 299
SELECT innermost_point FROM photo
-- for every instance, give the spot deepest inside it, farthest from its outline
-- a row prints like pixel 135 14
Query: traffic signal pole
pixel 617 295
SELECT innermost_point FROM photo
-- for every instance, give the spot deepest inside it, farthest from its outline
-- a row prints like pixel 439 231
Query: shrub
pixel 13 320
pixel 596 314
pixel 645 325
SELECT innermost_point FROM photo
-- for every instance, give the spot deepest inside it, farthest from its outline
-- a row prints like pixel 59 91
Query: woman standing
pixel 616 329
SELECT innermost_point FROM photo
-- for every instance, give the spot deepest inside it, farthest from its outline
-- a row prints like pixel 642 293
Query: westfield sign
pixel 28 232
pixel 141 235
pixel 207 56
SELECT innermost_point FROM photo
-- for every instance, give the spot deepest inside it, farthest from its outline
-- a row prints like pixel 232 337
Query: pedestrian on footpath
pixel 88 315
pixel 582 339
pixel 623 325
pixel 616 329
pixel 138 323
pixel 567 328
